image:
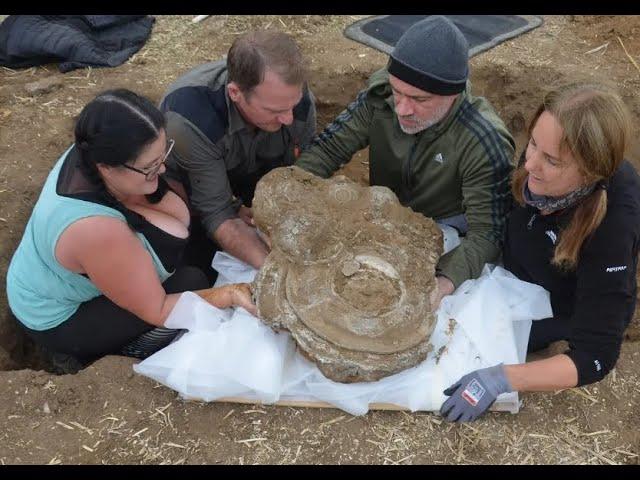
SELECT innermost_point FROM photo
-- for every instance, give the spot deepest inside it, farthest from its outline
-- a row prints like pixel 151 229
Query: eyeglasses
pixel 151 172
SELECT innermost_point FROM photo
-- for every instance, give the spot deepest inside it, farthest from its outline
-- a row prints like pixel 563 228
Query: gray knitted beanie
pixel 432 55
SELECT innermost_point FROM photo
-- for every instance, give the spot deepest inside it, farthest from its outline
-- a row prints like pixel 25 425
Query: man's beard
pixel 421 125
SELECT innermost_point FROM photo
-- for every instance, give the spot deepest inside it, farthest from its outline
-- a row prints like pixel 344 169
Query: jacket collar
pixel 236 122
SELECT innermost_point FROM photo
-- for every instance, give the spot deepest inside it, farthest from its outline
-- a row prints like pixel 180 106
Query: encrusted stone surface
pixel 351 273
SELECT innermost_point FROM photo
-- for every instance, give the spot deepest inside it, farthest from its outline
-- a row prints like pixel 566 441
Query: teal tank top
pixel 42 293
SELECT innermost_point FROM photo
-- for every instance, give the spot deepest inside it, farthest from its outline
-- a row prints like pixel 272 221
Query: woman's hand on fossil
pixel 236 294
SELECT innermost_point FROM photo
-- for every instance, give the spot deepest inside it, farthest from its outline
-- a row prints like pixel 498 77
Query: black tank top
pixel 74 182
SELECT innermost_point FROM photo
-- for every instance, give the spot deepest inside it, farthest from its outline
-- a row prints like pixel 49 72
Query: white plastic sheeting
pixel 231 353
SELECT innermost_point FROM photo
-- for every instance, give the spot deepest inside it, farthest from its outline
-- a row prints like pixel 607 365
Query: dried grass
pixel 565 428
pixel 635 64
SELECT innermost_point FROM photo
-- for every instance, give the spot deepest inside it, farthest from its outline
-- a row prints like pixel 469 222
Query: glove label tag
pixel 473 392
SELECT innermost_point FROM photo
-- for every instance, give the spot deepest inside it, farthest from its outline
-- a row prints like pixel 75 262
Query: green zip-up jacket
pixel 461 165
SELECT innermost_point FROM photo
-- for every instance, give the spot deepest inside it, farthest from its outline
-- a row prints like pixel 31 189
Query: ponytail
pixel 586 218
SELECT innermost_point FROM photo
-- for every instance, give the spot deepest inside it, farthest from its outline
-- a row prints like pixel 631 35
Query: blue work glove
pixel 474 393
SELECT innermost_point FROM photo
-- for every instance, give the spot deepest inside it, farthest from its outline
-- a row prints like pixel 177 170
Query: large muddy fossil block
pixel 351 273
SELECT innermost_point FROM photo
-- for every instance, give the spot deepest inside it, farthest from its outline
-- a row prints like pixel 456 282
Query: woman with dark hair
pixel 575 231
pixel 98 269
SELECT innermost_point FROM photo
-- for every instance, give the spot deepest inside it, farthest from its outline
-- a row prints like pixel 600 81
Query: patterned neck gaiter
pixel 555 204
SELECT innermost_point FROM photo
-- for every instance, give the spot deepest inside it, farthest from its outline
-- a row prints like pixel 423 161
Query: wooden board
pixel 498 406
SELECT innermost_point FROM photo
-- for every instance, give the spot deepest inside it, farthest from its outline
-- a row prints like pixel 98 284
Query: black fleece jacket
pixel 598 298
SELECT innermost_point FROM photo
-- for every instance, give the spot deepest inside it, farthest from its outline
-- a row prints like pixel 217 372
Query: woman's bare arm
pixel 554 373
pixel 117 263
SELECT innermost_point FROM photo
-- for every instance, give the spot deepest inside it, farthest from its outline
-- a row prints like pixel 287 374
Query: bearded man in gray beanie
pixel 443 152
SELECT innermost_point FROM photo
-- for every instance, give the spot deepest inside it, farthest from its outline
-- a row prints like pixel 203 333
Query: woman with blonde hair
pixel 574 231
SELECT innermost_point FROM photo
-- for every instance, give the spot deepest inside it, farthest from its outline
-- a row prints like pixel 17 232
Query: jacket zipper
pixel 406 172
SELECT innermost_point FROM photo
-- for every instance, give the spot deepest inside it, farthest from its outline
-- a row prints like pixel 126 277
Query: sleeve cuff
pixel 590 369
pixel 212 222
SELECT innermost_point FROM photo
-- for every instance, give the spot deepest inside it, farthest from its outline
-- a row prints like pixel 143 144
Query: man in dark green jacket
pixel 443 152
